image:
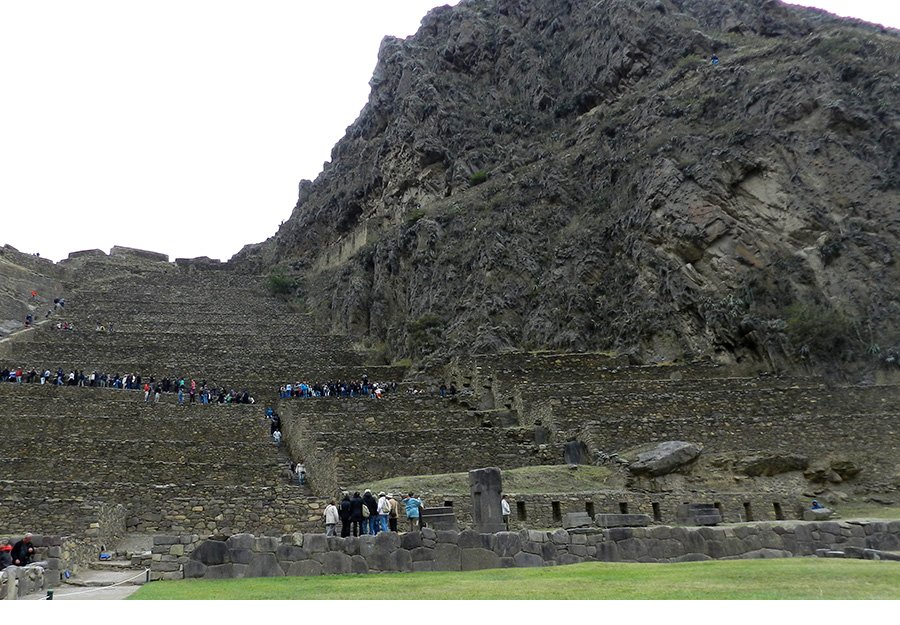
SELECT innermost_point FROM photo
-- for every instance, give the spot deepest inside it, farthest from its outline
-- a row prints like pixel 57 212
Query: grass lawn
pixel 523 481
pixel 792 578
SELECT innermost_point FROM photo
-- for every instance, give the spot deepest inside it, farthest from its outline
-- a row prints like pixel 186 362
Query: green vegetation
pixel 279 284
pixel 818 330
pixel 477 178
pixel 793 578
pixel 425 333
pixel 523 481
pixel 415 216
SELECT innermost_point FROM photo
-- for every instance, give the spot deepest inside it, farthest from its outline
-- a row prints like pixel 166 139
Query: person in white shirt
pixel 331 518
pixel 384 510
pixel 504 509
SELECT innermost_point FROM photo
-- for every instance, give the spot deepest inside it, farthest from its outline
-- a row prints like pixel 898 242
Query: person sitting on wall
pixel 816 505
pixel 23 551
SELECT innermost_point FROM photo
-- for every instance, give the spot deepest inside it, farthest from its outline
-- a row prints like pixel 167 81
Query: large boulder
pixel 662 458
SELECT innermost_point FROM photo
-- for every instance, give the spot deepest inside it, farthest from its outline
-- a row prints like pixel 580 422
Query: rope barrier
pixel 144 573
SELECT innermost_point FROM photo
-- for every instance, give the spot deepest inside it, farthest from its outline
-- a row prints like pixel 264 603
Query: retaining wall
pixel 246 555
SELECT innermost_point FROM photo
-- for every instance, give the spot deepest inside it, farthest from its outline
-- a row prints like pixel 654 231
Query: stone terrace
pixel 68 445
pixel 70 453
pixel 613 406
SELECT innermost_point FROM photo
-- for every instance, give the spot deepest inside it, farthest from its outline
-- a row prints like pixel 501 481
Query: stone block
pixel 297 539
pixel 267 544
pixel 366 545
pixel 165 539
pixel 523 559
pixel 576 519
pixel 388 540
pixel 220 571
pixel 403 560
pixel 211 553
pixel 240 570
pixel 381 559
pixel 176 550
pixel 535 536
pixel 821 514
pixel 447 536
pixel 335 563
pixel 506 544
pixel 578 550
pixel 315 543
pixel 470 539
pixel 348 545
pixel 507 563
pixel 578 539
pixel 429 533
pixel 447 557
pixel 305 568
pixel 358 565
pixel 548 551
pixel 194 569
pixel 411 540
pixel 622 520
pixel 290 553
pixel 421 553
pixel 560 537
pixel 241 541
pixel 477 558
pixel 264 564
pixel 765 554
pixel 422 566
pixel 240 556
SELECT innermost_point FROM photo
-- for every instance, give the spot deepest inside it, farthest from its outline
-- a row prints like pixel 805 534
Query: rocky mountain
pixel 552 174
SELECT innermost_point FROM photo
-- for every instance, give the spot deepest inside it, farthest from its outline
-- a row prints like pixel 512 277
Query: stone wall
pixel 529 511
pixel 396 443
pixel 245 555
pixel 206 509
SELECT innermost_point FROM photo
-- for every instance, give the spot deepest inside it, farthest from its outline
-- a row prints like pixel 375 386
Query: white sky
pixel 184 126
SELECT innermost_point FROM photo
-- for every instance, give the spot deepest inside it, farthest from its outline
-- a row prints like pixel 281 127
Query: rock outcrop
pixel 579 175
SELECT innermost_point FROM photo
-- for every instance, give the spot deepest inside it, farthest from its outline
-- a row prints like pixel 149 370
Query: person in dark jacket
pixel 344 513
pixel 23 551
pixel 356 517
pixel 370 526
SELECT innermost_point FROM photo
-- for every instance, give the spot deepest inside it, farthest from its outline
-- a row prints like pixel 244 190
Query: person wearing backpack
pixel 370 515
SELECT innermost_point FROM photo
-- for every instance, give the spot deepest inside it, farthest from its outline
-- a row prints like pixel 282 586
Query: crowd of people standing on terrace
pixel 187 389
pixel 367 514
pixel 339 388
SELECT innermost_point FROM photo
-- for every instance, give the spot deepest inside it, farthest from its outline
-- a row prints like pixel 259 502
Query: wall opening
pixel 589 508
pixel 657 513
pixel 748 511
pixel 623 507
pixel 721 512
pixel 557 512
pixel 520 510
pixel 779 513
pixel 448 504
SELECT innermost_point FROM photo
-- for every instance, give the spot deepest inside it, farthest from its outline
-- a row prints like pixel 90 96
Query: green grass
pixel 523 481
pixel 793 578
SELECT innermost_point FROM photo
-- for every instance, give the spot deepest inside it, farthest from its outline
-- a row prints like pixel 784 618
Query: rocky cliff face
pixel 580 175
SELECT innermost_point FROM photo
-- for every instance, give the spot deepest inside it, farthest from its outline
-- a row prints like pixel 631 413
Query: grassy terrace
pixel 795 578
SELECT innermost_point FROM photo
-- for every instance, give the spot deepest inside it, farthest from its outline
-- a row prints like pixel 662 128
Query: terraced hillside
pixel 79 460
pixel 101 462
